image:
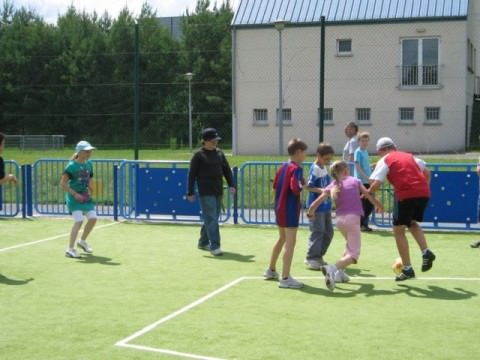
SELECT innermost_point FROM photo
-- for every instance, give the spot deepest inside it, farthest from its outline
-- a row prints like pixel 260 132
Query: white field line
pixel 168 352
pixel 146 329
pixel 49 239
pixel 179 312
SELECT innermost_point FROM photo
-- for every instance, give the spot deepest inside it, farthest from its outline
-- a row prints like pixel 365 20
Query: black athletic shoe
pixel 428 258
pixel 366 228
pixel 204 247
pixel 405 275
pixel 475 244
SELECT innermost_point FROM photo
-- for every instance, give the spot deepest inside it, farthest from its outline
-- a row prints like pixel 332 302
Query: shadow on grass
pixel 233 257
pixel 344 290
pixel 93 259
pixel 437 292
pixel 7 281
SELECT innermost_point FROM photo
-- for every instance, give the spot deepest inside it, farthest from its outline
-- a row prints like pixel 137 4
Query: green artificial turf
pixel 53 307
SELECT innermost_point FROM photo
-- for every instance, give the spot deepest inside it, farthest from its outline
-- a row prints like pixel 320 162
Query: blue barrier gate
pixel 49 197
pixel 156 190
pixel 10 195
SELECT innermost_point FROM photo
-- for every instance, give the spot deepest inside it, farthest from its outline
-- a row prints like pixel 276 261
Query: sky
pixel 50 9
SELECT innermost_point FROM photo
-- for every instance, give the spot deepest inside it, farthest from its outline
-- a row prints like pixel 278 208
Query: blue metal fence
pixel 156 190
pixel 10 195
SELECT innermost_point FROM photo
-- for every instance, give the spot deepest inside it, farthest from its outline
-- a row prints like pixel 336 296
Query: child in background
pixel 288 185
pixel 75 182
pixel 5 178
pixel 321 228
pixel 345 190
pixel 362 172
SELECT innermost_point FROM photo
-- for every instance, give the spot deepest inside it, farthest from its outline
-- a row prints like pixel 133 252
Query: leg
pixel 402 244
pixel 74 233
pixel 92 220
pixel 328 233
pixel 350 227
pixel 417 232
pixel 210 212
pixel 290 240
pixel 277 248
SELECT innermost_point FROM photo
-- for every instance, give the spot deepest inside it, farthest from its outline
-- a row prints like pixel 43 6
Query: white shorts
pixel 78 215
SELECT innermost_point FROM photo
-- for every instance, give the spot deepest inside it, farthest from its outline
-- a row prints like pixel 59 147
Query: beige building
pixel 406 69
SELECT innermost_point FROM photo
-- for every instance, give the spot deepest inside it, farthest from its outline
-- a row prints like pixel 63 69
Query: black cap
pixel 210 134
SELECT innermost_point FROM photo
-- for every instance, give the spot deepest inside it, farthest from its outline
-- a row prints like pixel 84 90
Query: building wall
pixel 368 79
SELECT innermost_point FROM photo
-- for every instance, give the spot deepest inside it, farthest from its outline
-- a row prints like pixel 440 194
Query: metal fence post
pixel 115 192
pixel 235 196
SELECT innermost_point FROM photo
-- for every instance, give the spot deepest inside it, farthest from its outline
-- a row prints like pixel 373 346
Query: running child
pixel 287 185
pixel 75 182
pixel 345 190
pixel 321 227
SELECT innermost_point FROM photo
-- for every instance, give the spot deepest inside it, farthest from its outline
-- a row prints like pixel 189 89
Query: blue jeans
pixel 210 232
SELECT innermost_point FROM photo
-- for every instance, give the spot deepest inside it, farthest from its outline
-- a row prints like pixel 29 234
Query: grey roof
pixel 264 12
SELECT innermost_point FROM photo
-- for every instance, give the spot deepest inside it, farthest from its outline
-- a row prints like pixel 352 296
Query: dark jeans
pixel 210 232
pixel 367 209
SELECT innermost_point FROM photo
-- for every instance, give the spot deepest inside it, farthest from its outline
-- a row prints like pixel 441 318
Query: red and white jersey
pixel 405 173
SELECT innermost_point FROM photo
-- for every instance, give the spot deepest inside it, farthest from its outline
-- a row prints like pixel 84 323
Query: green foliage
pixel 76 77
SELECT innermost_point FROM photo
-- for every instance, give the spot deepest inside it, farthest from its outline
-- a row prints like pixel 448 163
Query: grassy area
pixel 59 308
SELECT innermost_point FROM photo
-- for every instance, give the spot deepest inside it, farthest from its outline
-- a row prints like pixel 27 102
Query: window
pixel 419 62
pixel 362 115
pixel 327 116
pixel 407 114
pixel 287 116
pixel 260 116
pixel 344 47
pixel 432 114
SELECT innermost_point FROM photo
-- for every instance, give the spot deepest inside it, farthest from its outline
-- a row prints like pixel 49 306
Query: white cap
pixel 384 142
pixel 83 146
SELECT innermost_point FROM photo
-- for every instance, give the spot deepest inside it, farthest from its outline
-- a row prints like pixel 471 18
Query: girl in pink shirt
pixel 346 191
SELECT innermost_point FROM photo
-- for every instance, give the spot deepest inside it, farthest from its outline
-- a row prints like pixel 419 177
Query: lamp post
pixel 189 77
pixel 280 25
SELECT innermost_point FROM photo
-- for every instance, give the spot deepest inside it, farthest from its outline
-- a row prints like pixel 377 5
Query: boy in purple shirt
pixel 345 190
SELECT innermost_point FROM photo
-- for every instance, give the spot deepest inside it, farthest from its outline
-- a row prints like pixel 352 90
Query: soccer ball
pixel 397 266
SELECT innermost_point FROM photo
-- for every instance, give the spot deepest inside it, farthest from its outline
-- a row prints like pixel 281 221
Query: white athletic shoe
pixel 341 277
pixel 329 272
pixel 72 253
pixel 84 246
pixel 217 252
pixel 270 274
pixel 290 283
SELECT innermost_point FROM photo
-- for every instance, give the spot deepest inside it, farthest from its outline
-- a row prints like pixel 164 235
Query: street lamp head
pixel 280 24
pixel 189 76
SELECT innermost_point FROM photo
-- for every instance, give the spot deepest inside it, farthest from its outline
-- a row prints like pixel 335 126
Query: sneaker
pixel 216 252
pixel 475 244
pixel 290 283
pixel 366 228
pixel 427 262
pixel 204 247
pixel 84 246
pixel 329 272
pixel 270 274
pixel 341 277
pixel 313 264
pixel 72 253
pixel 405 275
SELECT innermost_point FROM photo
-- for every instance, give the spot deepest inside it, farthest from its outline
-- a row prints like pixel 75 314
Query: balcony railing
pixel 419 75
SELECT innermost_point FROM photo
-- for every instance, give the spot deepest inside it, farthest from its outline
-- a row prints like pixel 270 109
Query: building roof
pixel 264 12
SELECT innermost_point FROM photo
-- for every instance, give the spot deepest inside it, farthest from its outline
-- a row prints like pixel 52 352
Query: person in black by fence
pixel 5 178
pixel 208 166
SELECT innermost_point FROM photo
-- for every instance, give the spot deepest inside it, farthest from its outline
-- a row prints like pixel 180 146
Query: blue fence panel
pixel 10 195
pixel 156 190
pixel 49 197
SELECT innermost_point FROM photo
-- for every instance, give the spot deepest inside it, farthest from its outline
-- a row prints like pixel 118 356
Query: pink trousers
pixel 349 226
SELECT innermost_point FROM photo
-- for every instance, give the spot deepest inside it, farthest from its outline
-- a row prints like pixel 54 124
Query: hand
pixel 379 208
pixel 12 179
pixel 191 198
pixel 82 198
pixel 310 215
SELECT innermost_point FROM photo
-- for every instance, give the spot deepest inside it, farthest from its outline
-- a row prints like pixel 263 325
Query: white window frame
pixel 327 116
pixel 363 116
pixel 344 53
pixel 402 111
pixel 260 116
pixel 419 67
pixel 287 116
pixel 431 109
